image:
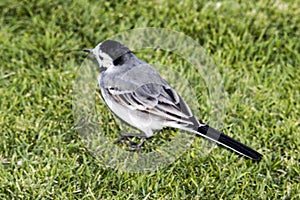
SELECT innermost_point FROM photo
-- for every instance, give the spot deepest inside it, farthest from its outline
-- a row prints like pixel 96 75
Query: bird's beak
pixel 88 50
pixel 91 51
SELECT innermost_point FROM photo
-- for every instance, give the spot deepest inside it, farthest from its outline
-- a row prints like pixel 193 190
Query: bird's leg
pixel 137 147
pixel 123 137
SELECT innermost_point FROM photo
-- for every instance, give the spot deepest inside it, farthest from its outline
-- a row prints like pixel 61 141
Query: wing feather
pixel 159 100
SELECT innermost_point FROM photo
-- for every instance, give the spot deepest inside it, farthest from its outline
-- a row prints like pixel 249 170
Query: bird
pixel 136 93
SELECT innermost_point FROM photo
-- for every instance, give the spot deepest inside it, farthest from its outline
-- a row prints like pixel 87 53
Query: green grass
pixel 255 46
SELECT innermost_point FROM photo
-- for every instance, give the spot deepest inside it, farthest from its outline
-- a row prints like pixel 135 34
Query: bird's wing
pixel 156 99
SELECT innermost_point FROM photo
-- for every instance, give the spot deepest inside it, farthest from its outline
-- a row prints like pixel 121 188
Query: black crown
pixel 114 49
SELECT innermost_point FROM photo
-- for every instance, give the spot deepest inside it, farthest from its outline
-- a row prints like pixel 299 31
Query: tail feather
pixel 229 142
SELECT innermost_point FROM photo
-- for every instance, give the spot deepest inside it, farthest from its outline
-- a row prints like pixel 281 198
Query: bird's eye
pixel 101 58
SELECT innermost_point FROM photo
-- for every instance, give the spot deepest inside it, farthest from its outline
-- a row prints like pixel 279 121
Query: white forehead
pixel 97 52
pixel 97 49
pixel 103 59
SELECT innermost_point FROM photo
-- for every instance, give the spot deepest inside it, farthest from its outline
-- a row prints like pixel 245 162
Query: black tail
pixel 228 142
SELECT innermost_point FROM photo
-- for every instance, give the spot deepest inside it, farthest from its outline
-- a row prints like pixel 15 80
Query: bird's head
pixel 109 53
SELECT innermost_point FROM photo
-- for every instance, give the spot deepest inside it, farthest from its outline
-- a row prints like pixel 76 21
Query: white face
pixel 103 59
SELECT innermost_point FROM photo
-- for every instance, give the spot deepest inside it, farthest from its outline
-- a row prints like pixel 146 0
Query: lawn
pixel 256 50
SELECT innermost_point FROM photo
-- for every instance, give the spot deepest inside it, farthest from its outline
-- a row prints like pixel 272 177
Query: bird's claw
pixel 126 138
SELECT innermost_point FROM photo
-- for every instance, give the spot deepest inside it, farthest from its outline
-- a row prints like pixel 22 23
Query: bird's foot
pixel 127 139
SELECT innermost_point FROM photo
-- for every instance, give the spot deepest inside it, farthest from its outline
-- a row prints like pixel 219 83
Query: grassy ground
pixel 255 46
